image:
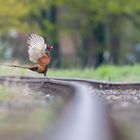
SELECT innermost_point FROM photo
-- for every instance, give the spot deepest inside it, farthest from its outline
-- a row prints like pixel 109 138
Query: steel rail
pixel 104 85
pixel 83 118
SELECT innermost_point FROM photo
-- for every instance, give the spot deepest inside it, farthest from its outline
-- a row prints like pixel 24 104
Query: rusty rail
pixel 105 85
pixel 84 117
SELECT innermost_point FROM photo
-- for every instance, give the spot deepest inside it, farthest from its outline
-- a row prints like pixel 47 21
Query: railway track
pixel 85 115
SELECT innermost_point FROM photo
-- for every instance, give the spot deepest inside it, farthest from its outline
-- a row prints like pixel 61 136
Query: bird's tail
pixel 33 67
pixel 17 66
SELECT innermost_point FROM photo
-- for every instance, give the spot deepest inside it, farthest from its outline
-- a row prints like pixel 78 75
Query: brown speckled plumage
pixel 39 53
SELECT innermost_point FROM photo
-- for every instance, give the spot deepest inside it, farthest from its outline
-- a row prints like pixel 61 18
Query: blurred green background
pixel 85 34
pixel 95 39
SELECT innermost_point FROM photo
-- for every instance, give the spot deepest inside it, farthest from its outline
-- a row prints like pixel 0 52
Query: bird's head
pixel 49 47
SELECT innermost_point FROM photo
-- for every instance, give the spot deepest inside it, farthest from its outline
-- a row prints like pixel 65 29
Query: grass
pixel 107 72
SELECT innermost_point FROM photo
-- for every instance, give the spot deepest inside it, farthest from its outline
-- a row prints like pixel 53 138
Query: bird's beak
pixel 51 47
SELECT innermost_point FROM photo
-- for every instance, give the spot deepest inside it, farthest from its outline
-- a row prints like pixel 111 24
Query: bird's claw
pixel 47 78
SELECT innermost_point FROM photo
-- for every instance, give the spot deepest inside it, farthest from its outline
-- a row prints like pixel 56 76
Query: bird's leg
pixel 46 76
pixel 47 79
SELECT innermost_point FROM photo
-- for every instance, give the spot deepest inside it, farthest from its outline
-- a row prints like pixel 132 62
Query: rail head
pixel 103 85
pixel 84 117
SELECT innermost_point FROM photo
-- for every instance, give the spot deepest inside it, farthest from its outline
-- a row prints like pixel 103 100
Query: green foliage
pixel 128 73
pixel 97 11
pixel 11 12
pixel 18 14
pixel 106 72
pixel 75 15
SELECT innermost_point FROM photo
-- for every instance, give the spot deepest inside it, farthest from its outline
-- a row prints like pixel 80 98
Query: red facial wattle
pixel 49 47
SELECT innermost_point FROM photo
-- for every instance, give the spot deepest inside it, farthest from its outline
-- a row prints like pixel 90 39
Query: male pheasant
pixel 39 53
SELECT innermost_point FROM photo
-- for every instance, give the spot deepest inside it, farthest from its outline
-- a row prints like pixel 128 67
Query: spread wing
pixel 36 46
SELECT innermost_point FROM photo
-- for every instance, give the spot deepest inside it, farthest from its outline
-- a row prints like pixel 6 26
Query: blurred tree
pixel 11 14
pixel 31 16
pixel 54 34
pixel 44 13
pixel 46 18
pixel 101 25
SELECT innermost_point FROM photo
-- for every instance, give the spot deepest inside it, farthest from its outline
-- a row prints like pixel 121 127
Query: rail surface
pixel 84 117
pixel 105 85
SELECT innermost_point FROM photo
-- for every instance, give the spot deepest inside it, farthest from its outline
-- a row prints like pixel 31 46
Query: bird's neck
pixel 47 52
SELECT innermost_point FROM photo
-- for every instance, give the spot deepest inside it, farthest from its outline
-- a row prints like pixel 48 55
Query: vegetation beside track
pixel 130 73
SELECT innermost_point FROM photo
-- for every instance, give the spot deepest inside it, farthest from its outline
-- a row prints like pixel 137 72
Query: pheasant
pixel 39 53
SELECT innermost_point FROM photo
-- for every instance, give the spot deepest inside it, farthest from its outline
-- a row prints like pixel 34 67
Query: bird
pixel 39 53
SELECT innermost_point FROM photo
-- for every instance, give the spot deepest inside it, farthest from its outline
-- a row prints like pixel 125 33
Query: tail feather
pixel 34 67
